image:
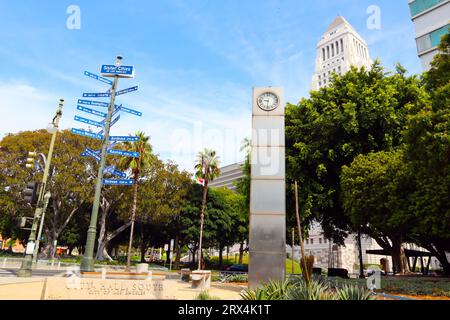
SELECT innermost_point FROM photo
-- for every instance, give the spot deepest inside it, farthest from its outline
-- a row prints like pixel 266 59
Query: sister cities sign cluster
pixel 75 288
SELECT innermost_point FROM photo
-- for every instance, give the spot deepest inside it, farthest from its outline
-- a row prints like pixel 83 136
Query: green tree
pixel 69 183
pixel 136 165
pixel 360 112
pixel 207 168
pixel 428 152
pixel 375 192
pixel 243 189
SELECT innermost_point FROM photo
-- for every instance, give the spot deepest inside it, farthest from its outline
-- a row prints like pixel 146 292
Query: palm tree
pixel 136 165
pixel 207 168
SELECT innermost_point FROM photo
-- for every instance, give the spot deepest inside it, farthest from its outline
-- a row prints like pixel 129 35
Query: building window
pixel 337 47
pixel 323 53
pixel 432 39
pixel 325 240
pixel 320 76
pixel 320 83
pixel 419 6
pixel 312 241
pixel 328 52
pixel 332 49
pixel 339 68
pixel 307 241
pixel 342 45
pixel 320 240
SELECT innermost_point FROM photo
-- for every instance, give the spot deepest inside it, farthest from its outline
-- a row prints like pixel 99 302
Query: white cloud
pixel 24 107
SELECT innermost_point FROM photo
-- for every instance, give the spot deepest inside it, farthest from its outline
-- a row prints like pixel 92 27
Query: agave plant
pixel 353 292
pixel 314 290
pixel 270 291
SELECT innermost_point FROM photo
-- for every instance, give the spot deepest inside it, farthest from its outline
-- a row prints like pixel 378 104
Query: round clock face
pixel 268 101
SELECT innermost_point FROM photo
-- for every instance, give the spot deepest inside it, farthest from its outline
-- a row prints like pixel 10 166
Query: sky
pixel 196 61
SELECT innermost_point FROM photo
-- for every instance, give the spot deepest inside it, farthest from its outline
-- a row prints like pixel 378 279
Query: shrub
pixel 353 292
pixel 205 296
pixel 299 289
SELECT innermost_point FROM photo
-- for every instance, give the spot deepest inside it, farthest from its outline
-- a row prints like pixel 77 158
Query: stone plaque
pixel 75 288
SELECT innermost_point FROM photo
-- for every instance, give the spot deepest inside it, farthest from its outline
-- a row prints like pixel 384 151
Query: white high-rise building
pixel 340 47
pixel 431 21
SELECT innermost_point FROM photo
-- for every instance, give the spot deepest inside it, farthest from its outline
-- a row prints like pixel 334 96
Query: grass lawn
pixel 231 260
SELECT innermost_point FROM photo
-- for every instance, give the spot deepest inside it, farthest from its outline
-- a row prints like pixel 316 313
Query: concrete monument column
pixel 268 188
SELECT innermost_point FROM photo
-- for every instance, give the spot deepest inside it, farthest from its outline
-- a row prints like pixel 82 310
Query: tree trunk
pixel 202 220
pixel 133 218
pixel 101 251
pixel 101 235
pixel 143 246
pixel 176 264
pixel 241 253
pixel 220 256
pixel 398 256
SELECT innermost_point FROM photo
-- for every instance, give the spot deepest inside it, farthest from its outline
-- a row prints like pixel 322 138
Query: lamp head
pixel 51 128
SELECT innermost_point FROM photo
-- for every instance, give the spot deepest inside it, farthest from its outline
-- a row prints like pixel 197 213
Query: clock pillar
pixel 267 245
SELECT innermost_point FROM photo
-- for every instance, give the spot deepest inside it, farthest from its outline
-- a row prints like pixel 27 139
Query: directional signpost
pixel 89 121
pixel 118 93
pixel 118 182
pixel 93 103
pixel 96 95
pixel 96 77
pixel 87 134
pixel 92 154
pixel 92 111
pixel 123 153
pixel 115 72
pixel 118 71
pixel 124 139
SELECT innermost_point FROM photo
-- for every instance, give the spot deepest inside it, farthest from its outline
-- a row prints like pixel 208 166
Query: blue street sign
pixel 96 95
pixel 118 182
pixel 93 103
pixel 120 71
pixel 96 77
pixel 115 120
pixel 92 154
pixel 109 169
pixel 123 138
pixel 87 134
pixel 134 112
pixel 92 111
pixel 119 173
pixel 88 121
pixel 123 153
pixel 124 91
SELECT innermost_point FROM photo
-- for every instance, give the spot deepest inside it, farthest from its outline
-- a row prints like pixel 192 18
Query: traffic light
pixel 31 160
pixel 30 193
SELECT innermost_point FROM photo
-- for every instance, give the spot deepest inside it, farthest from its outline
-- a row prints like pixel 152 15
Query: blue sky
pixel 196 61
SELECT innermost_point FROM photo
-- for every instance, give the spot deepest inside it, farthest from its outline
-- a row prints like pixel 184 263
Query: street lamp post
pixel 36 248
pixel 87 262
pixel 25 269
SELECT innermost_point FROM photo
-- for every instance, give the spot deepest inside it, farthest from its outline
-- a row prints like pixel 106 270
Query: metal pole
pixel 87 262
pixel 361 266
pixel 25 269
pixel 293 243
pixel 36 248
